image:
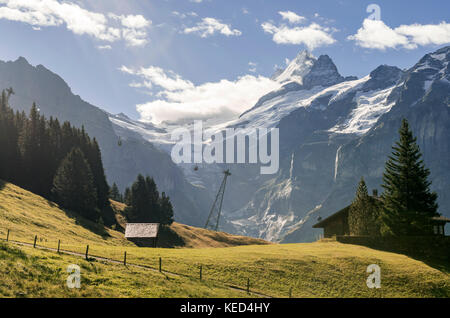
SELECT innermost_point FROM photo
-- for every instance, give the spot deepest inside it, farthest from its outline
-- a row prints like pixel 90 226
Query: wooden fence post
pixel 59 245
pixel 87 251
pixel 125 258
pixel 248 285
pixel 7 236
pixel 35 239
pixel 201 269
pixel 160 264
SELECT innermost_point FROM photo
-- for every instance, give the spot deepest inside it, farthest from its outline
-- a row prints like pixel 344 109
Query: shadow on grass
pixel 96 228
pixel 440 261
pixel 440 264
pixel 2 184
pixel 168 238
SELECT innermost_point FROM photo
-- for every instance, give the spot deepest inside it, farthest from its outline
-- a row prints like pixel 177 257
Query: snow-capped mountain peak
pixel 297 68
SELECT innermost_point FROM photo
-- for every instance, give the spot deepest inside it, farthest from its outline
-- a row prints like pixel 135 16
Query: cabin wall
pixel 144 242
pixel 338 226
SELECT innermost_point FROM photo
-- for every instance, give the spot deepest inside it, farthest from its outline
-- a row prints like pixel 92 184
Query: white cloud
pixel 134 28
pixel 209 26
pixel 252 66
pixel 45 13
pixel 292 17
pixel 375 34
pixel 180 99
pixel 312 36
pixel 184 15
pixel 154 75
pixel 104 47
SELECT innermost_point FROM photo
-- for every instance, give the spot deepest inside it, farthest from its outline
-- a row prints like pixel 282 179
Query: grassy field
pixel 28 272
pixel 321 269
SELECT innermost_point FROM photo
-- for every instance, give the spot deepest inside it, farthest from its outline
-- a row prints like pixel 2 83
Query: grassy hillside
pixel 28 272
pixel 26 215
pixel 321 269
pixel 181 235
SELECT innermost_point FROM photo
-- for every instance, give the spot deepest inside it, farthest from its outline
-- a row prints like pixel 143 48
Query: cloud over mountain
pixel 179 99
pixel 375 34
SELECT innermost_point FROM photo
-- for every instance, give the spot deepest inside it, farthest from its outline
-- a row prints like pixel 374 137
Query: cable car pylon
pixel 217 205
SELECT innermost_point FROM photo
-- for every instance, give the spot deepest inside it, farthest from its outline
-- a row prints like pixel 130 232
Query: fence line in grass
pixel 126 256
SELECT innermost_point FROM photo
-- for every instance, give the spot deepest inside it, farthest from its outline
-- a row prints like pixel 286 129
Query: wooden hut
pixel 142 234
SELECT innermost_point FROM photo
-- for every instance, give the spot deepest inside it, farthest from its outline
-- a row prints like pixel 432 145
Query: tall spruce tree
pixel 363 215
pixel 166 209
pixel 409 204
pixel 139 201
pixel 114 193
pixel 145 204
pixel 73 185
pixel 9 134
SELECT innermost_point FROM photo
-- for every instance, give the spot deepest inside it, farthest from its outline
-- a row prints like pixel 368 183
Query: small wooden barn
pixel 337 223
pixel 439 224
pixel 142 234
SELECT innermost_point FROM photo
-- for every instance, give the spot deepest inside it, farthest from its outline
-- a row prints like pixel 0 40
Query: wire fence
pixel 167 264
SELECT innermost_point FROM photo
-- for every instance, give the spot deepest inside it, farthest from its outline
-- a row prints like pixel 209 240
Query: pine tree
pixel 114 193
pixel 166 210
pixel 73 185
pixel 139 205
pixel 9 134
pixel 127 196
pixel 145 204
pixel 363 216
pixel 409 204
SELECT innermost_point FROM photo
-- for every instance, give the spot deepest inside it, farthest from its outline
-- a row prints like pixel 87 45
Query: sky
pixel 169 60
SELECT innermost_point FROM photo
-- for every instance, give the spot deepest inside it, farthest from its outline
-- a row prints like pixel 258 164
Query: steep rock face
pixel 122 162
pixel 423 99
pixel 323 73
pixel 305 72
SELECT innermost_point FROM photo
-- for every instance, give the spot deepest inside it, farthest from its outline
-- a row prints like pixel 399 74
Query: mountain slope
pixel 122 162
pixel 26 215
pixel 324 119
pixel 424 99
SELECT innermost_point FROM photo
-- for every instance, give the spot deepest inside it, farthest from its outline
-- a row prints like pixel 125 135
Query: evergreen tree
pixel 363 216
pixel 9 134
pixel 73 185
pixel 153 196
pixel 114 193
pixel 127 196
pixel 166 210
pixel 409 204
pixel 94 157
pixel 139 205
pixel 145 205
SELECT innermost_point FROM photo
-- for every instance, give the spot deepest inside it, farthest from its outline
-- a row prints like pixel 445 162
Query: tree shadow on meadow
pixel 89 225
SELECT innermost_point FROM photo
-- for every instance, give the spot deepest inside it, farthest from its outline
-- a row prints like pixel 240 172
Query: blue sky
pixel 174 55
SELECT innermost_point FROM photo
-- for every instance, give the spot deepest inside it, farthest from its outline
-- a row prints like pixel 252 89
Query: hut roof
pixel 141 230
pixel 340 213
pixel 441 219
